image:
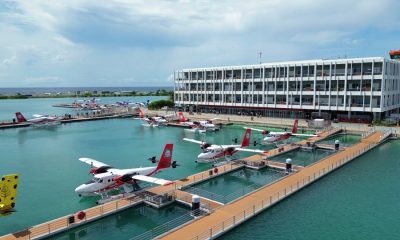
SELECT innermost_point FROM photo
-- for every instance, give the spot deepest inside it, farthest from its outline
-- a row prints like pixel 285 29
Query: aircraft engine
pixel 264 132
pixel 230 150
pixel 101 169
pixel 124 178
pixel 205 145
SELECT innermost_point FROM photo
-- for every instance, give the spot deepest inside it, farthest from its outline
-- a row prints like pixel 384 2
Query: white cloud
pixel 141 42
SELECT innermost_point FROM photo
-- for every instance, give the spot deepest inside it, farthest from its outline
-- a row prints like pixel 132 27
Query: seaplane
pixel 153 121
pixel 208 125
pixel 277 137
pixel 213 152
pixel 107 178
pixel 38 119
pixel 8 193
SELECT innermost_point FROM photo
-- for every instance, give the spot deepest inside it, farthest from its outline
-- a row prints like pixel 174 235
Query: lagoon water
pixel 47 159
pixel 358 201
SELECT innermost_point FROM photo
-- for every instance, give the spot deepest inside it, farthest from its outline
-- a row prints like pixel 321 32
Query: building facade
pixel 358 90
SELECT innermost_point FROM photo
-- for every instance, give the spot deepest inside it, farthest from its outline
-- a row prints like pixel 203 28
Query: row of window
pixel 286 71
pixel 338 85
pixel 353 101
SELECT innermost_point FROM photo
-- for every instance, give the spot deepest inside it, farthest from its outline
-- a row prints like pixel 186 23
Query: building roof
pixel 299 62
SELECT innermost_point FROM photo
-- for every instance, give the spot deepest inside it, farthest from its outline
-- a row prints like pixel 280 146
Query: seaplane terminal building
pixel 357 90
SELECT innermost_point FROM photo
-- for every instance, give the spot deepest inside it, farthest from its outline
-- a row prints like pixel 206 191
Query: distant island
pixel 88 94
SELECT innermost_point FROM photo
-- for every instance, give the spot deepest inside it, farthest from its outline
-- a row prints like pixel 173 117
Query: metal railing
pixel 206 194
pixel 224 199
pixel 197 178
pixel 367 133
pixel 73 221
pixel 170 225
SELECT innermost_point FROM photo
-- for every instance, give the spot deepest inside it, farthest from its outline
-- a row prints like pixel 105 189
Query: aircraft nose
pixel 80 189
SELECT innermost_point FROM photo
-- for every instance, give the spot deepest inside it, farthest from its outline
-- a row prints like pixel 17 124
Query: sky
pixel 132 43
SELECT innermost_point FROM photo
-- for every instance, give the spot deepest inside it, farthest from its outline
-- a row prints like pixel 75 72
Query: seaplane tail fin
pixel 246 138
pixel 20 117
pixel 141 113
pixel 294 129
pixel 181 117
pixel 8 192
pixel 166 157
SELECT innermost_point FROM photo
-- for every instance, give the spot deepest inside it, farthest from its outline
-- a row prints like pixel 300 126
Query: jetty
pixel 220 215
pixel 74 118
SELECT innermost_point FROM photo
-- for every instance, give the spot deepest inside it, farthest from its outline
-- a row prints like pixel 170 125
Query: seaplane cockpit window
pixel 90 181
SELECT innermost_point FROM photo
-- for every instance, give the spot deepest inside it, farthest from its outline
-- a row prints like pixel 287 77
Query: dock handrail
pixel 90 214
pixel 206 194
pixel 170 225
pixel 386 135
pixel 367 133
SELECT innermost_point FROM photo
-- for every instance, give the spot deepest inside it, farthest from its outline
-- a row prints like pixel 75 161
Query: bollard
pixel 337 145
pixel 196 205
pixel 288 165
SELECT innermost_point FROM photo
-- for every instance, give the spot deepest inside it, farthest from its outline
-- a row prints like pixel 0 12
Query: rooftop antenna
pixel 260 54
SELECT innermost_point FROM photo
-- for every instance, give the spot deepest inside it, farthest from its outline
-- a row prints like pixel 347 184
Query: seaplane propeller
pixel 174 164
pixel 153 159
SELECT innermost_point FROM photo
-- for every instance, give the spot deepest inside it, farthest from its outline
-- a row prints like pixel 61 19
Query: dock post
pixel 288 165
pixel 337 145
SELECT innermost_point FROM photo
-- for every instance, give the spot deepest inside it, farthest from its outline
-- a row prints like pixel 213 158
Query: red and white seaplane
pixel 107 178
pixel 276 137
pixel 38 119
pixel 206 125
pixel 212 152
pixel 151 121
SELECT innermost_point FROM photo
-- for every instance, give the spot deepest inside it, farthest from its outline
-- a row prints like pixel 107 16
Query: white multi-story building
pixel 358 89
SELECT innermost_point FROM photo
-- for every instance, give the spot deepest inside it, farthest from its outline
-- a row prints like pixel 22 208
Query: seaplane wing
pixel 255 129
pixel 303 135
pixel 193 141
pixel 158 181
pixel 38 116
pixel 213 119
pixel 93 162
pixel 251 150
pixel 228 146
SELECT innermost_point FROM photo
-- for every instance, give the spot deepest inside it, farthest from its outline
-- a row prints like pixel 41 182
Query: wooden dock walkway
pixel 61 224
pixel 231 215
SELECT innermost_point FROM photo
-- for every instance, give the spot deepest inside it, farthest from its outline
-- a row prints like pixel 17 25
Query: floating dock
pixel 221 216
pixel 71 120
pixel 229 216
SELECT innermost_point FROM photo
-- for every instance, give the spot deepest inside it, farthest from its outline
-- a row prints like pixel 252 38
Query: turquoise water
pixel 28 107
pixel 302 157
pixel 358 201
pixel 47 161
pixel 344 139
pixel 230 186
pixel 126 224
